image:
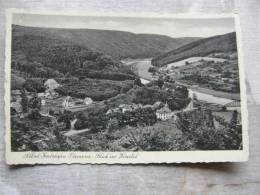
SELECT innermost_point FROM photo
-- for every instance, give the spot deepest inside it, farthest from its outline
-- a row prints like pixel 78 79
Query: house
pixel 128 107
pixel 164 113
pixel 51 85
pixel 73 103
pixel 48 95
pixel 110 111
pixel 124 108
pixel 50 92
pixel 88 101
pixel 157 104
pixel 234 105
pixel 67 102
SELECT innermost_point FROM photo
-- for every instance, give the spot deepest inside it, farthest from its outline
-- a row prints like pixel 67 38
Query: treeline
pixel 177 98
pixel 116 120
pixel 96 89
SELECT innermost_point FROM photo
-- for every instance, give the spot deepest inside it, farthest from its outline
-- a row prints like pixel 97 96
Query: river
pixel 143 65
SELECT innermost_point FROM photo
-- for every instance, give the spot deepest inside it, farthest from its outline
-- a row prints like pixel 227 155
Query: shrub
pixel 34 114
pixel 66 117
pixel 35 85
pixel 24 101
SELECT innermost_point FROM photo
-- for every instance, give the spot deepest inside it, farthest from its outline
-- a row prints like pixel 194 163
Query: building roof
pixel 233 104
pixel 164 110
pixel 51 84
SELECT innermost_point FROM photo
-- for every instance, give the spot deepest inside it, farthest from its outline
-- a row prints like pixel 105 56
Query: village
pixel 212 71
pixel 52 104
pixel 72 97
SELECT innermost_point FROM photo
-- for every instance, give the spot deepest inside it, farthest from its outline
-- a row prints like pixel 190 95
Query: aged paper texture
pixel 124 88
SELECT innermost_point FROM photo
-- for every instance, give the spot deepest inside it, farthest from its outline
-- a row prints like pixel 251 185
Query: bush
pixel 138 117
pixel 66 117
pixel 96 89
pixel 95 122
pixel 24 101
pixel 16 82
pixel 34 114
pixel 35 85
pixel 152 139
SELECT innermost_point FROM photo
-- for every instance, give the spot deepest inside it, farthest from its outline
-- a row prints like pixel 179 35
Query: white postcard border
pixel 124 157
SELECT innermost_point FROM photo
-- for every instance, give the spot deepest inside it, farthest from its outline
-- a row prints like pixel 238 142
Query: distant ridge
pixel 203 47
pixel 118 44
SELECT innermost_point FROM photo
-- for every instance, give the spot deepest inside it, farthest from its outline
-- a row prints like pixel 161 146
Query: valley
pixel 105 90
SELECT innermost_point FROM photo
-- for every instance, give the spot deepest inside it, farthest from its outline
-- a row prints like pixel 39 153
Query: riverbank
pixel 143 65
pixel 220 94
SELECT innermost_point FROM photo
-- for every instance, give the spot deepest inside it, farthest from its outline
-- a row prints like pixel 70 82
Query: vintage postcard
pixel 124 88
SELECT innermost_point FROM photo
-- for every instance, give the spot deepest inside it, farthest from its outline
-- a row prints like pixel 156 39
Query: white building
pixel 164 113
pixel 73 103
pixel 66 103
pixel 88 101
pixel 234 105
pixel 51 84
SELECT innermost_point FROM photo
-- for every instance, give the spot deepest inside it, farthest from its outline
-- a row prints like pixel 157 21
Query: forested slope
pixel 118 44
pixel 203 47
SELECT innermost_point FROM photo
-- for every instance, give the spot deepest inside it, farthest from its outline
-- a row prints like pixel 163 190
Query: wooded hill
pixel 80 70
pixel 203 47
pixel 39 55
pixel 118 44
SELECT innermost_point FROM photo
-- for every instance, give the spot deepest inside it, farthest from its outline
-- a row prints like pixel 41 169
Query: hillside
pixel 118 44
pixel 41 56
pixel 81 70
pixel 203 47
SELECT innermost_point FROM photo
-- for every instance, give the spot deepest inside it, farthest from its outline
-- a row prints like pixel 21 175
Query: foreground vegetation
pixel 192 131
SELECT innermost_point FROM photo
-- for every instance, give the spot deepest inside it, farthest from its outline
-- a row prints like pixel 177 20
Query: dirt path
pixel 75 132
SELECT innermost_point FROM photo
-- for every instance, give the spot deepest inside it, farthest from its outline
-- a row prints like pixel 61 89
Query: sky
pixel 172 27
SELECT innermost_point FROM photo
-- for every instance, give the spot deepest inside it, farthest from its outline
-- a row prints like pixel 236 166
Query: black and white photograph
pixel 125 84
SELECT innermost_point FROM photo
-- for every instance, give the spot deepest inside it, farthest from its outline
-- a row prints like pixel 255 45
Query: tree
pixel 234 118
pixel 160 82
pixel 104 60
pixel 34 114
pixel 209 122
pixel 138 82
pixel 24 101
pixel 67 75
pixel 35 85
pixel 152 70
pixel 41 72
pixel 35 102
pixel 112 125
pixel 66 117
pixel 227 74
pixel 179 98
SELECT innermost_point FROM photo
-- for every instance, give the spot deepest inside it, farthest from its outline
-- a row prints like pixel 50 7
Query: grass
pixel 221 94
pixel 233 96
